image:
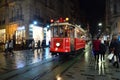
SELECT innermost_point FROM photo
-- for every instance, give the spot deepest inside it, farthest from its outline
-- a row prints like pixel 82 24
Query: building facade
pixel 113 16
pixel 23 20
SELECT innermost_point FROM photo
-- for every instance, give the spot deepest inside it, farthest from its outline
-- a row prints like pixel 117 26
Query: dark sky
pixel 94 10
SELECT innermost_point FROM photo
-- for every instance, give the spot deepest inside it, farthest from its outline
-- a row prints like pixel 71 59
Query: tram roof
pixel 64 23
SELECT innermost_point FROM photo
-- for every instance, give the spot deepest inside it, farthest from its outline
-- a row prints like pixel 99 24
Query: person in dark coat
pixel 115 47
pixel 43 45
pixel 103 48
pixel 38 45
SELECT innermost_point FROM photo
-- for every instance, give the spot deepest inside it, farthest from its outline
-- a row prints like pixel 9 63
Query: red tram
pixel 66 38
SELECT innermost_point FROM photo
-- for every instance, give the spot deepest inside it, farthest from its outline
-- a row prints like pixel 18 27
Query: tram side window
pixel 61 32
pixel 52 32
pixel 67 33
pixel 55 31
pixel 78 34
pixel 72 32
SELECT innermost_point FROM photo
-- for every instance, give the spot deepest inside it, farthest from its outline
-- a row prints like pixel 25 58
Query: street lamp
pixel 100 24
pixel 99 28
pixel 48 26
pixel 35 22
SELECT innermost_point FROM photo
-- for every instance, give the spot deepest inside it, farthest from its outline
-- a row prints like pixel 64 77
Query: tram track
pixel 38 70
pixel 17 72
pixel 47 71
pixel 55 68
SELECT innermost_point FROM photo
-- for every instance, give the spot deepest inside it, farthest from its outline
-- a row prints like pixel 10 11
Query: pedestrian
pixel 96 48
pixel 103 49
pixel 11 47
pixel 49 44
pixel 6 48
pixel 115 48
pixel 33 45
pixel 38 45
pixel 43 44
pixel 119 43
pixel 23 45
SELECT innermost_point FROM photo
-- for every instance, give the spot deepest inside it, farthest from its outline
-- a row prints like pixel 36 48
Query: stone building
pixel 24 20
pixel 113 16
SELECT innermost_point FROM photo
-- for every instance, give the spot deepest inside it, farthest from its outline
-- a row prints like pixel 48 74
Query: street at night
pixel 26 65
pixel 59 40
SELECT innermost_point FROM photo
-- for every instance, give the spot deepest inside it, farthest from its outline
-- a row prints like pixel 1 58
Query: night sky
pixel 94 10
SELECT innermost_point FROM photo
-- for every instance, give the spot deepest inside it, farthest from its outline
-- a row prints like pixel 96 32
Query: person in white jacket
pixel 6 47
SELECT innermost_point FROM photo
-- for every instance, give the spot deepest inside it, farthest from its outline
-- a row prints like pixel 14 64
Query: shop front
pixel 36 33
pixel 20 38
pixel 7 33
pixel 47 35
pixel 20 35
pixel 2 36
pixel 2 39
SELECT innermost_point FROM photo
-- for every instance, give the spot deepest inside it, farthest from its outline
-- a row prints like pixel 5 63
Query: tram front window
pixel 61 31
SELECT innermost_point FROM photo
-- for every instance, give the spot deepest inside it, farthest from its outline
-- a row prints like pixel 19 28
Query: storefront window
pixel 20 36
pixel 2 36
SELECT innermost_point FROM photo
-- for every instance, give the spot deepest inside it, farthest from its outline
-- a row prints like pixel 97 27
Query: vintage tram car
pixel 66 38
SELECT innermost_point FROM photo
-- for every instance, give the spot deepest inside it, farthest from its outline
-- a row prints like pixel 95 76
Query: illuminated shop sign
pixel 21 28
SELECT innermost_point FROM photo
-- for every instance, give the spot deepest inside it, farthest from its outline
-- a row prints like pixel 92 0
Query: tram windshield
pixel 62 31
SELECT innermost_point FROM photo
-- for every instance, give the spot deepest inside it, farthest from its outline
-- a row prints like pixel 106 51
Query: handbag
pixel 93 53
pixel 30 45
pixel 110 56
pixel 115 58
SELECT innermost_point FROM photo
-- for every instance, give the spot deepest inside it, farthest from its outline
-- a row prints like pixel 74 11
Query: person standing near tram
pixel 43 45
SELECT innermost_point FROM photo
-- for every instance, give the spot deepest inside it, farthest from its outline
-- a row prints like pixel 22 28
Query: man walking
pixel 96 48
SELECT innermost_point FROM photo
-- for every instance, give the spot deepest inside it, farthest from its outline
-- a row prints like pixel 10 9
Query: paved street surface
pixel 21 59
pixel 87 69
pixel 25 65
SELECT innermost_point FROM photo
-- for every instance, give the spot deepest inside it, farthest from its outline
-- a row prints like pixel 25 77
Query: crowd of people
pixel 40 45
pixel 100 47
pixel 9 46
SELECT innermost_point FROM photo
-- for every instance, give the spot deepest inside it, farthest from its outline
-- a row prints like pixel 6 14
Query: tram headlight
pixel 57 44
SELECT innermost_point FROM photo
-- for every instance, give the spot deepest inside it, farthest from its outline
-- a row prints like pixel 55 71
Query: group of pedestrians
pixel 9 48
pixel 99 49
pixel 39 45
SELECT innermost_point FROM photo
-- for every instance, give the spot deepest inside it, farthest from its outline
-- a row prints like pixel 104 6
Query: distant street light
pixel 100 24
pixel 48 26
pixel 35 22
